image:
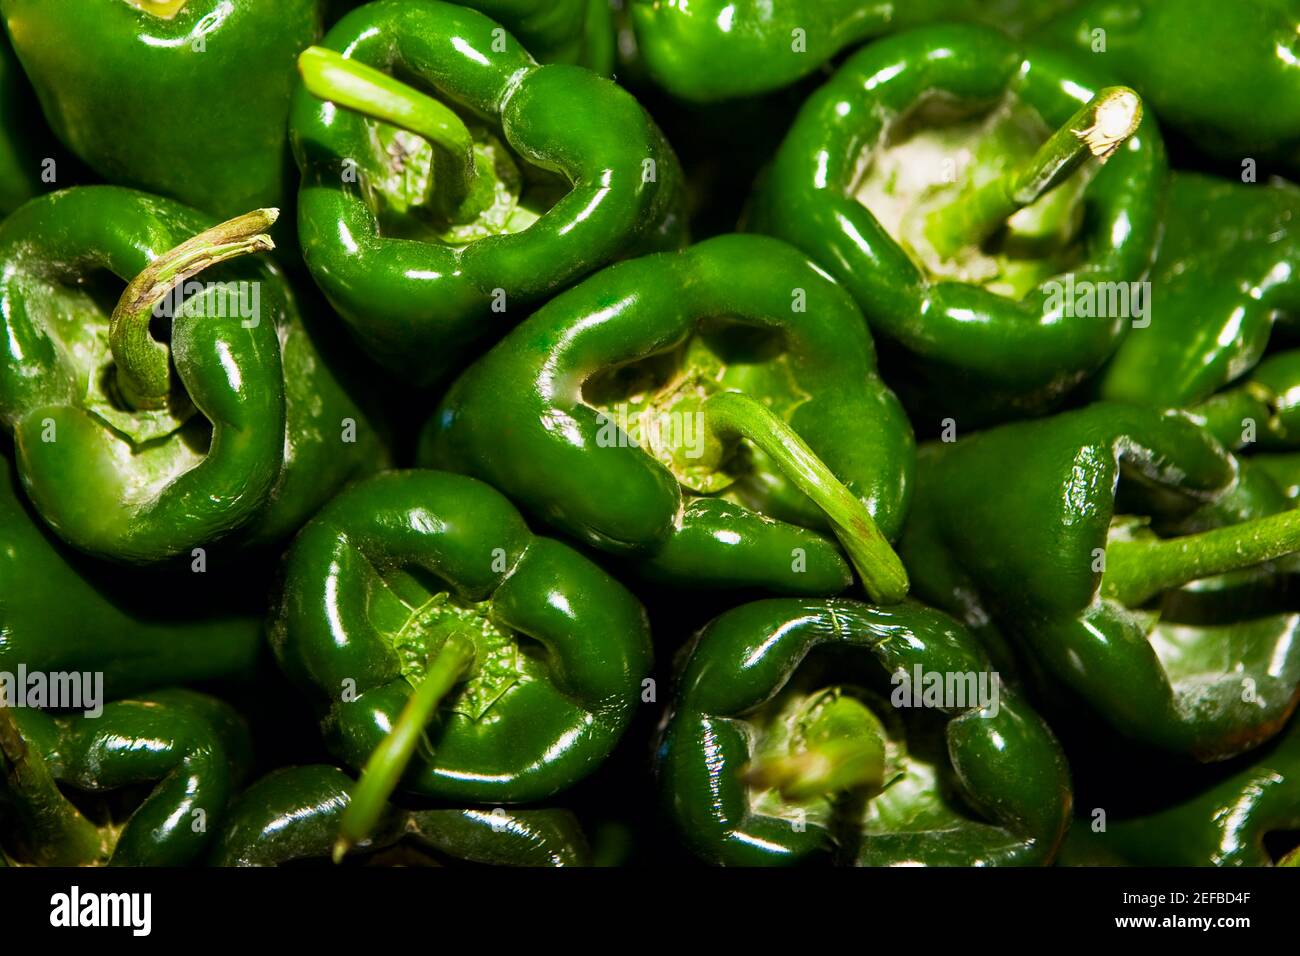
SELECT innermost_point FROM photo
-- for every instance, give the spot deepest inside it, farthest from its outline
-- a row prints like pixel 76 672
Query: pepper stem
pixel 363 89
pixel 1098 129
pixel 53 831
pixel 386 764
pixel 843 749
pixel 143 377
pixel 882 573
pixel 1136 571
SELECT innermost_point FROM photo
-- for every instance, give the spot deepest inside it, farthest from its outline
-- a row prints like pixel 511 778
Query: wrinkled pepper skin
pixel 1223 276
pixel 1221 822
pixel 265 447
pixel 193 748
pixel 372 586
pixel 1159 47
pixel 1010 802
pixel 292 815
pixel 708 50
pixel 60 612
pixel 1169 673
pixel 977 354
pixel 418 300
pixel 617 495
pixel 191 105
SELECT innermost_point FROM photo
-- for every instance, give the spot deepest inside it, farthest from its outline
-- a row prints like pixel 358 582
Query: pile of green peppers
pixel 622 432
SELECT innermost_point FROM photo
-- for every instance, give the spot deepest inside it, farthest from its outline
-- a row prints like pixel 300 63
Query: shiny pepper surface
pixel 192 749
pixel 1128 570
pixel 187 98
pixel 292 816
pixel 923 120
pixel 707 413
pixel 401 566
pixel 569 173
pixel 247 434
pixel 978 780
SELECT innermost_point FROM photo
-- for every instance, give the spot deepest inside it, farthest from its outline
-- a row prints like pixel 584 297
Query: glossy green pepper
pixel 62 612
pixel 580 32
pixel 786 743
pixel 1261 411
pixel 193 749
pixel 701 412
pixel 708 50
pixel 187 98
pixel 1224 274
pixel 924 176
pixel 1153 633
pixel 1246 103
pixel 429 588
pixel 558 31
pixel 429 228
pixel 292 815
pixel 140 451
pixel 1221 820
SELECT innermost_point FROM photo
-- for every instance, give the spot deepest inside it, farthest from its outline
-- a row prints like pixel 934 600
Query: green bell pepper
pixel 1224 274
pixel 924 176
pixel 1154 634
pixel 782 745
pixel 430 227
pixel 61 612
pixel 705 412
pixel 1222 820
pixel 293 815
pixel 1246 103
pixel 192 748
pixel 424 594
pixel 139 451
pixel 709 50
pixel 187 98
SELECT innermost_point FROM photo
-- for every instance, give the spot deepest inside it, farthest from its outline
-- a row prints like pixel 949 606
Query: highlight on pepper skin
pixel 649 433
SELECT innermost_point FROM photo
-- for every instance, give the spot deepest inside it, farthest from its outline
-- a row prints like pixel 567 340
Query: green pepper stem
pixel 363 89
pixel 1136 571
pixel 53 830
pixel 143 377
pixel 1098 129
pixel 843 750
pixel 385 766
pixel 882 573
